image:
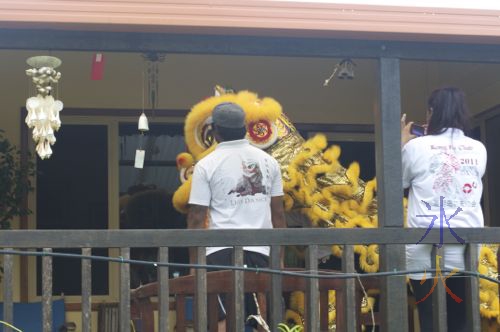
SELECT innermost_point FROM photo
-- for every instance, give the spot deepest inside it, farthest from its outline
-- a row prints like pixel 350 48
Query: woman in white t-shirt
pixel 443 170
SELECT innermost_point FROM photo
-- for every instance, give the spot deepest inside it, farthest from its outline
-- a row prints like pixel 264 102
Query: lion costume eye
pixel 262 133
pixel 204 134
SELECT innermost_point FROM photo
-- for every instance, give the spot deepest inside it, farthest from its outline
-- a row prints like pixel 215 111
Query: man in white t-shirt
pixel 237 186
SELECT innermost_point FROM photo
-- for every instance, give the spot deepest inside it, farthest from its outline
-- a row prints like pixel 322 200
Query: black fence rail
pixel 393 238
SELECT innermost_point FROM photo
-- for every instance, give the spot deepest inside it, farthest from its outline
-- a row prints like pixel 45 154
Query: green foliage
pixel 14 182
pixel 282 327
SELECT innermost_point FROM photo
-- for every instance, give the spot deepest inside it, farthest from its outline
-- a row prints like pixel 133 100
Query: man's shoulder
pixel 260 153
pixel 208 159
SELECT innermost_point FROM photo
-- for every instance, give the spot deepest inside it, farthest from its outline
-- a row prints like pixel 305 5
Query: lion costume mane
pixel 314 183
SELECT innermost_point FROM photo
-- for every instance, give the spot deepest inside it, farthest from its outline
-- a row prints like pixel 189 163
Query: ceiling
pixel 297 83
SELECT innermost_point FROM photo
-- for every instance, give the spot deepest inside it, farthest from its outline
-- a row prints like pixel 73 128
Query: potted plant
pixel 282 327
pixel 14 182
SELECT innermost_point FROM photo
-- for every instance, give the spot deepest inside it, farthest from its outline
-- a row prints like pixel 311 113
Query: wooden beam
pixel 231 237
pixel 72 40
pixel 336 128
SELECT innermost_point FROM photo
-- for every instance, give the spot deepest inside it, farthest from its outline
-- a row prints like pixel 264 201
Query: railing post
pixel 163 296
pixel 312 290
pixel 350 307
pixel 8 306
pixel 438 296
pixel 390 193
pixel 238 292
pixel 201 291
pixel 47 290
pixel 86 291
pixel 472 289
pixel 276 288
pixel 125 291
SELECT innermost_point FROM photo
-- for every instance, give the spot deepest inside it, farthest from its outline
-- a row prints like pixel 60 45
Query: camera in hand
pixel 417 130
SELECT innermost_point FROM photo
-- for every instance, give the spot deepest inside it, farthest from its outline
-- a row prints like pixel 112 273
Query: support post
pixel 390 193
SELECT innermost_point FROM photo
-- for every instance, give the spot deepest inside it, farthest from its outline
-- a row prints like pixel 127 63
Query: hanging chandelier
pixel 43 109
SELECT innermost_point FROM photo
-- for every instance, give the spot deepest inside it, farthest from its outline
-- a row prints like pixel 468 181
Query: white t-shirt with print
pixel 444 174
pixel 236 181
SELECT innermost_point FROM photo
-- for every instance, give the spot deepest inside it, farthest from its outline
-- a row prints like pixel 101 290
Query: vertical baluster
pixel 349 291
pixel 47 290
pixel 164 296
pixel 8 306
pixel 238 292
pixel 124 315
pixel 439 295
pixel 86 291
pixel 472 289
pixel 312 290
pixel 276 288
pixel 323 311
pixel 201 291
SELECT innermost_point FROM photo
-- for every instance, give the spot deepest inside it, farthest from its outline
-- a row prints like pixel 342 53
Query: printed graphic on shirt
pixel 251 181
pixel 445 166
pixel 455 177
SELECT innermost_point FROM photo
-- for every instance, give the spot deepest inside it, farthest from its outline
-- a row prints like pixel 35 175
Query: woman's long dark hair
pixel 449 110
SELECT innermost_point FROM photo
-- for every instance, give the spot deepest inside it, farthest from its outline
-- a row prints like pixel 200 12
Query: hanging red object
pixel 97 67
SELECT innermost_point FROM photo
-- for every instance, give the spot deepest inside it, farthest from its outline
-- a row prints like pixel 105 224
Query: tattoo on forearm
pixel 196 216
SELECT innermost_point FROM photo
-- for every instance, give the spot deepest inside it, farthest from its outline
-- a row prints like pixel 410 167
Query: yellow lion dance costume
pixel 314 183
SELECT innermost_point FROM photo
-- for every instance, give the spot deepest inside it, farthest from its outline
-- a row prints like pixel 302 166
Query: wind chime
pixel 150 84
pixel 43 109
pixel 344 70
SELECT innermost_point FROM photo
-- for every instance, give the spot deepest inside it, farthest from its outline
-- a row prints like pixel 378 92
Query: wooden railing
pixel 163 239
